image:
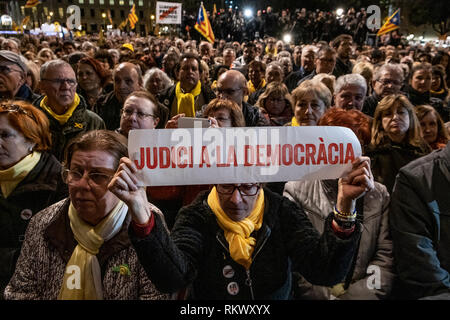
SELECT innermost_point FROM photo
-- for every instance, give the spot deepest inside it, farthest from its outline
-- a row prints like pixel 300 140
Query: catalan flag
pixel 32 3
pixel 132 17
pixel 392 23
pixel 203 25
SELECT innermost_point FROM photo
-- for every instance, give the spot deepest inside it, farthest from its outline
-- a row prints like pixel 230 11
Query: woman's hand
pixel 173 122
pixel 214 123
pixel 354 185
pixel 124 186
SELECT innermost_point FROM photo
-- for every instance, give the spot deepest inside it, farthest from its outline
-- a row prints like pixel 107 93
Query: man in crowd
pixel 388 79
pixel 13 74
pixel 305 58
pixel 274 72
pixel 127 78
pixel 188 95
pixel 343 46
pixel 10 45
pixel 350 91
pixel 232 85
pixel 324 63
pixel 65 109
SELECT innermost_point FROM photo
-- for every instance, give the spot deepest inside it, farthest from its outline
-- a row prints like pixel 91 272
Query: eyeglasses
pixel 385 82
pixel 7 69
pixel 59 82
pixel 248 189
pixel 74 176
pixel 15 108
pixel 141 115
pixel 228 92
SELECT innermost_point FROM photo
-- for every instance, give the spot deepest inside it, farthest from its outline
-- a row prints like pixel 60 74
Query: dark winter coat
pixel 196 253
pixel 42 187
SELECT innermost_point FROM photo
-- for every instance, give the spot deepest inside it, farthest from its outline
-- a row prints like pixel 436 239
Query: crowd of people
pixel 71 202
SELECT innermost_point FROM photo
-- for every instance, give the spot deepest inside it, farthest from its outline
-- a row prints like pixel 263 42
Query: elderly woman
pixel 396 138
pixel 276 104
pixel 350 91
pixel 375 246
pixel 433 128
pixel 419 87
pixel 241 241
pixel 92 79
pixel 311 100
pixel 78 248
pixel 30 177
pixel 141 110
pixel 156 81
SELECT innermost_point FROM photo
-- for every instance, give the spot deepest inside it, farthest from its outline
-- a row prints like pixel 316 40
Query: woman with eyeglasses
pixel 78 248
pixel 241 241
pixel 30 177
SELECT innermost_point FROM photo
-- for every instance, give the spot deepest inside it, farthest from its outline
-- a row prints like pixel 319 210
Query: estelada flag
pixel 392 23
pixel 132 17
pixel 32 3
pixel 203 25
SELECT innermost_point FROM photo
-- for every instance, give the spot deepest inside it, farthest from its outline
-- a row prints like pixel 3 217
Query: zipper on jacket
pixel 248 282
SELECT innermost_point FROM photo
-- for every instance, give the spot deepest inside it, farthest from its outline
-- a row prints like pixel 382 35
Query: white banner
pixel 168 13
pixel 241 155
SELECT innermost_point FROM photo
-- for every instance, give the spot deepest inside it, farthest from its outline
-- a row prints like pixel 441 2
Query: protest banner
pixel 241 155
pixel 168 12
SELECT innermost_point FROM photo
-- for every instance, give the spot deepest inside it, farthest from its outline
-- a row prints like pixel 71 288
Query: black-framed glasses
pixel 141 115
pixel 387 81
pixel 59 82
pixel 7 69
pixel 246 189
pixel 97 178
pixel 15 108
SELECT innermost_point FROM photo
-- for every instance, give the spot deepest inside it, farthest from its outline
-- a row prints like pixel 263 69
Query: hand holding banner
pixel 241 155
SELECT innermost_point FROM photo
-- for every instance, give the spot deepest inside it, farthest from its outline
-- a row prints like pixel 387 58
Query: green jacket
pixel 81 121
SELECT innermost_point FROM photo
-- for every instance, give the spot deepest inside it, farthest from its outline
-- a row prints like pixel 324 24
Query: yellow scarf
pixel 251 87
pixel 83 263
pixel 240 243
pixel 62 118
pixel 294 122
pixel 185 101
pixel 11 177
pixel 274 51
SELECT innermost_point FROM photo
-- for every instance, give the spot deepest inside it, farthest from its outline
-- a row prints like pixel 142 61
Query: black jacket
pixel 108 108
pixel 386 160
pixel 341 68
pixel 25 94
pixel 42 187
pixel 81 121
pixel 196 253
pixel 417 98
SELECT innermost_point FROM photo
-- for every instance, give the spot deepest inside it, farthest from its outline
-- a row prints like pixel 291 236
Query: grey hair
pixel 53 64
pixel 310 48
pixel 390 67
pixel 164 77
pixel 350 79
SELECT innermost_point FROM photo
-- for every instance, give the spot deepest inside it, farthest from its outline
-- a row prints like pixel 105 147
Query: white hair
pixel 58 63
pixel 354 79
pixel 164 77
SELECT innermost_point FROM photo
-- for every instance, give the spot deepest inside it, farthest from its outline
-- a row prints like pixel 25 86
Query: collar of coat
pixel 60 236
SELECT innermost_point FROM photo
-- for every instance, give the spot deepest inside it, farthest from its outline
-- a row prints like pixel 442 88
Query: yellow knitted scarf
pixel 251 87
pixel 237 233
pixel 294 122
pixel 11 177
pixel 185 101
pixel 62 118
pixel 82 279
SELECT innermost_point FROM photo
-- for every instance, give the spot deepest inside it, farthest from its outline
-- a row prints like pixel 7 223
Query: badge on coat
pixel 233 288
pixel 228 271
pixel 26 214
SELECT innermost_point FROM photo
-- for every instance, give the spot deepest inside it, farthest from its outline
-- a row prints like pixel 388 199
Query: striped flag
pixel 203 25
pixel 132 17
pixel 32 3
pixel 392 23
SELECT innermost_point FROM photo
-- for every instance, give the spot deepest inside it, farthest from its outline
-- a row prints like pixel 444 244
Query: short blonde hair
pixel 318 88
